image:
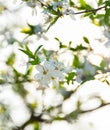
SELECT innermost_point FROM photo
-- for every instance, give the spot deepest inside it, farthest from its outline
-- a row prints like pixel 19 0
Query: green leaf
pixel 10 61
pixel 82 2
pixel 107 17
pixel 76 62
pixel 100 2
pixel 18 77
pixel 53 21
pixel 39 47
pixel 70 77
pixel 61 44
pixel 27 48
pixel 32 27
pixel 74 114
pixel 19 88
pixel 35 62
pixel 2 81
pixel 103 64
pixel 78 104
pixel 78 48
pixel 36 126
pixel 84 5
pixel 70 42
pixel 16 73
pixel 29 71
pixel 57 39
pixel 28 53
pixel 34 59
pixel 86 40
pixel 88 14
pixel 107 3
pixel 71 3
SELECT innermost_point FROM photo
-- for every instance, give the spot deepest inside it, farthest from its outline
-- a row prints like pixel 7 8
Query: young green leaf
pixel 84 5
pixel 53 21
pixel 100 2
pixel 36 126
pixel 107 17
pixel 39 47
pixel 60 43
pixel 102 64
pixel 70 77
pixel 71 3
pixel 35 61
pixel 30 54
pixel 76 62
pixel 86 40
pixel 78 48
pixel 10 61
pixel 29 70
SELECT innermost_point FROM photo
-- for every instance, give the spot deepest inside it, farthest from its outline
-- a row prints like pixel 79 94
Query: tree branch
pixel 91 10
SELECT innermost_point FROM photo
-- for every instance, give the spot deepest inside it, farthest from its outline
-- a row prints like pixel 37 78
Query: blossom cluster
pixel 50 73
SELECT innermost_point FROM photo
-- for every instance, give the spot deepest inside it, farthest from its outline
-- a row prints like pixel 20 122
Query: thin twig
pixel 91 10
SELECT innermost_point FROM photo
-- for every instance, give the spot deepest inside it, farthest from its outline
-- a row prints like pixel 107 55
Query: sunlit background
pixel 66 29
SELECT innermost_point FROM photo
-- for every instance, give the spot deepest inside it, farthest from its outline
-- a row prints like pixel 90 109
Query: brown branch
pixel 91 10
pixel 82 12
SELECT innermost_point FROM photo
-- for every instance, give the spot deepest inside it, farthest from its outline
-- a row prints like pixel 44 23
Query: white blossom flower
pixel 50 73
pixel 64 6
pixel 60 4
pixel 38 28
pixel 57 4
pixel 42 75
